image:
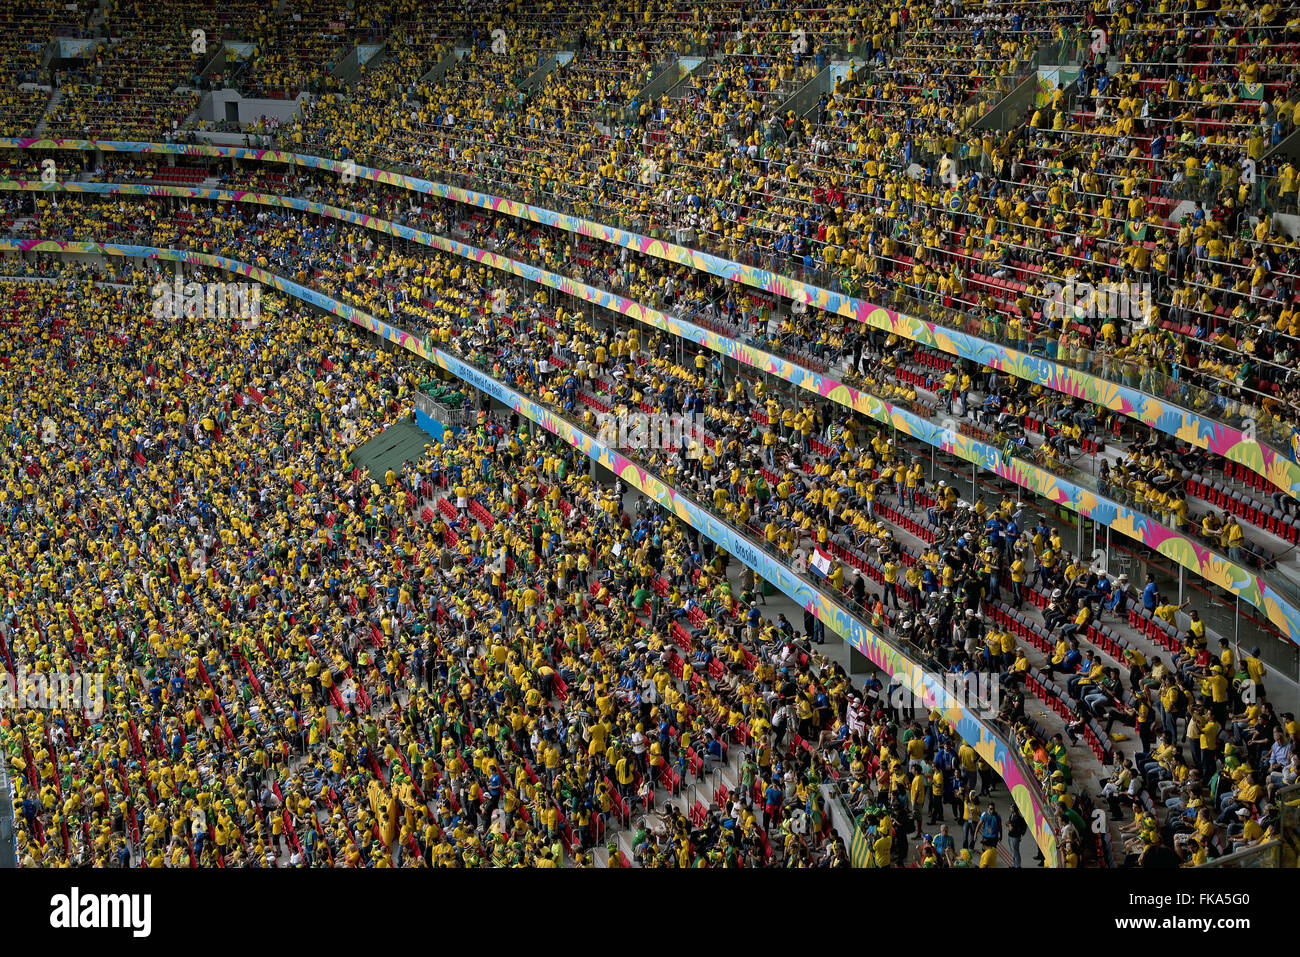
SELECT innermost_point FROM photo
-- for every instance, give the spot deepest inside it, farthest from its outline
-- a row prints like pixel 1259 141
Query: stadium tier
pixel 649 434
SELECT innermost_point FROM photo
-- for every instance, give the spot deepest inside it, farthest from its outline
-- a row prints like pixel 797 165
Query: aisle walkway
pixel 398 444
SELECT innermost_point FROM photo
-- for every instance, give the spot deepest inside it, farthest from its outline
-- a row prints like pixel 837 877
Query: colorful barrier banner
pixel 999 754
pixel 1195 556
pixel 1201 431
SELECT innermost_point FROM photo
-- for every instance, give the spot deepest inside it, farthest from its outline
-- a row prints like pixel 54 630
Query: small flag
pixel 821 562
pixel 860 848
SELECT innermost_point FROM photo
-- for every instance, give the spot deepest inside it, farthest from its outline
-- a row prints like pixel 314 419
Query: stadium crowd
pixel 973 574
pixel 485 659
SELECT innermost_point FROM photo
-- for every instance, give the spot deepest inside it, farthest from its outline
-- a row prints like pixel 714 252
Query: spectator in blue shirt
pixel 990 827
pixel 1118 603
pixel 1069 664
pixel 772 798
pixel 1150 594
pixel 945 845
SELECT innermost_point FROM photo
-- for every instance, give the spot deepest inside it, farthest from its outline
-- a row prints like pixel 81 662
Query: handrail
pixel 1002 756
pixel 8 836
pixel 1259 855
pixel 1078 493
pixel 1200 430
